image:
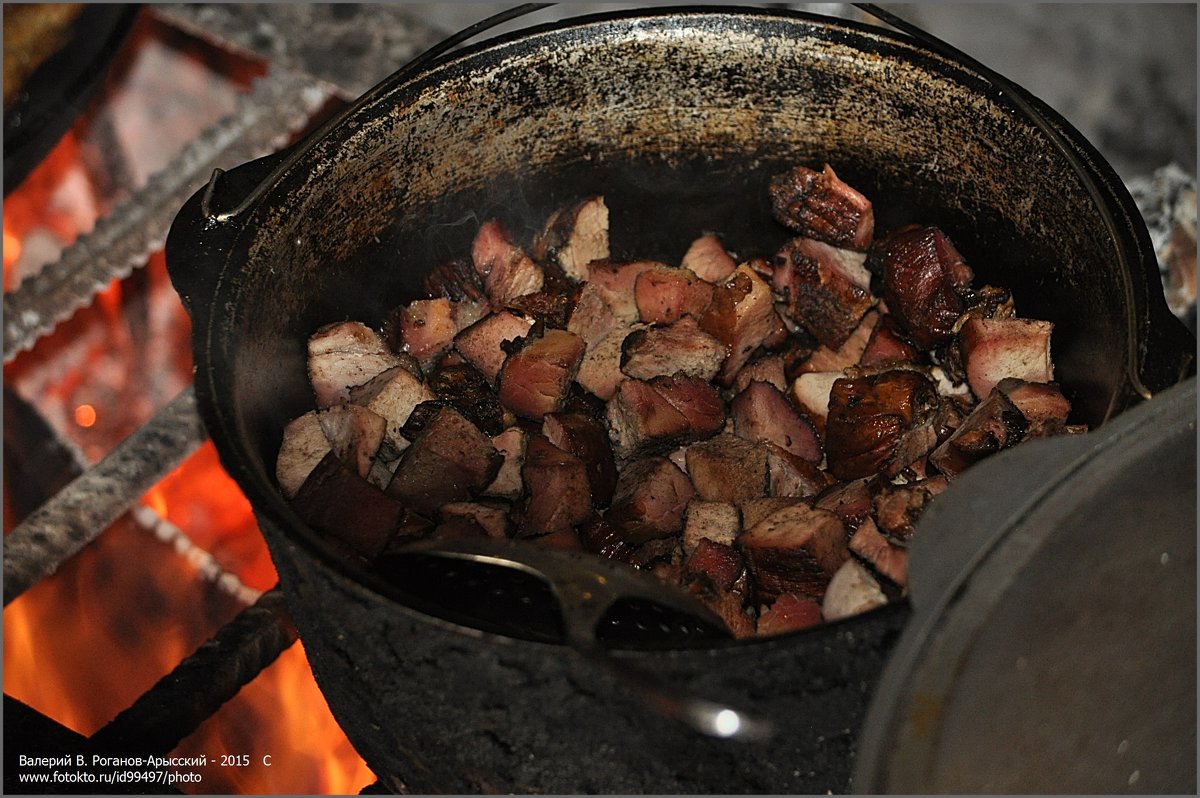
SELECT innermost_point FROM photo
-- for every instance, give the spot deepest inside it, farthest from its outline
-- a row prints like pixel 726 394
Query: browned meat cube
pixel 616 284
pixel 557 485
pixel 575 236
pixel 592 319
pixel 553 308
pixel 924 282
pixel 888 346
pixel 716 521
pixel 304 446
pixel 789 613
pixel 600 537
pixel 1043 405
pixel 792 476
pixel 869 415
pixel 464 387
pixel 887 558
pixel 852 501
pixel 355 433
pixel 450 461
pixel 679 348
pixel 755 511
pixel 585 437
pixel 697 400
pixel 338 502
pixel 810 393
pixel 600 370
pixel 994 424
pixel 794 550
pixel 650 501
pixel 393 394
pixel 707 258
pixel 428 326
pixel 763 413
pixel 728 468
pixel 506 270
pixel 664 295
pixel 640 418
pixel 534 379
pixel 897 508
pixel 819 205
pixel 769 369
pixel 851 591
pixel 456 280
pixel 491 518
pixel 720 562
pixel 741 315
pixel 824 359
pixel 342 356
pixel 482 343
pixel 827 289
pixel 996 349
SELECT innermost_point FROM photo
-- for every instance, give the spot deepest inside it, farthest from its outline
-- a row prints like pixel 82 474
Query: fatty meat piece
pixel 506 270
pixel 791 476
pixel 575 236
pixel 393 394
pixel 456 280
pixel 850 353
pixel 1043 406
pixel 794 550
pixel 924 282
pixel 789 613
pixel 852 501
pixel 716 521
pixel 728 468
pixel 763 413
pixel 827 289
pixel 819 205
pixel 593 318
pixel 664 295
pixel 641 419
pixel 885 557
pixel 616 283
pixel 869 415
pixel 852 591
pixel 994 424
pixel 304 446
pixel 697 400
pixel 707 258
pixel 491 518
pixel 768 369
pixel 511 445
pixel 810 393
pixel 482 344
pixel 355 434
pixel 585 437
pixel 556 483
pixel 740 315
pixel 678 348
pixel 887 345
pixel 995 349
pixel 534 380
pixel 600 369
pixel 342 356
pixel 651 499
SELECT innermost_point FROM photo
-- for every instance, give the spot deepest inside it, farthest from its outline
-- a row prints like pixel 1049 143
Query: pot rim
pixel 407 83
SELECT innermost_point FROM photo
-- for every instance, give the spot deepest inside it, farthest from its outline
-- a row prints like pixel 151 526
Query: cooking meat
pixel 535 379
pixel 763 413
pixel 585 437
pixel 456 280
pixel 707 258
pixel 483 343
pixel 794 550
pixel 765 436
pixel 556 482
pixel 740 315
pixel 678 348
pixel 616 284
pixel 995 349
pixel 852 591
pixel 728 468
pixel 789 613
pixel 924 282
pixel 664 295
pixel 884 556
pixel 340 503
pixel 994 424
pixel 450 461
pixel 507 271
pixel 819 205
pixel 342 356
pixel 869 415
pixel 827 289
pixel 575 236
pixel 650 501
pixel 715 521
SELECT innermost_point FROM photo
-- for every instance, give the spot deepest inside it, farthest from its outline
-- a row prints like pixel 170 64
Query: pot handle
pixel 213 216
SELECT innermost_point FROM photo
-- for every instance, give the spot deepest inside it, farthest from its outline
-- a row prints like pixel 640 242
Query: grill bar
pixel 81 511
pixel 280 104
pixel 184 698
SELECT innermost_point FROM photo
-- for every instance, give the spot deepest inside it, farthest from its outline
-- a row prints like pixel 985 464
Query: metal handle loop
pixel 406 71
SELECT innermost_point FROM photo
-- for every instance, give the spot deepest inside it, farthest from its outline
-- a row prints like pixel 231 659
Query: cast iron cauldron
pixel 678 118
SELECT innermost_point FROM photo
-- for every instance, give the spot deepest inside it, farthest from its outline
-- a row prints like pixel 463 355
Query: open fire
pixel 85 643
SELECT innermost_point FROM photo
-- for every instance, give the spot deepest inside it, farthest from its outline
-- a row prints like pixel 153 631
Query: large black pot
pixel 678 118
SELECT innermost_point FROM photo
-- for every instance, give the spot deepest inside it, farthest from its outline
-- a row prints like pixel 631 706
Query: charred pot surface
pixel 514 129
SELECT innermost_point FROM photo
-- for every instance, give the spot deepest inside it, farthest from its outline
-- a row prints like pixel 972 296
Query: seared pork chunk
pixel 763 413
pixel 340 503
pixel 728 468
pixel 827 289
pixel 451 460
pixel 740 315
pixel 884 556
pixel 511 445
pixel 343 356
pixel 707 258
pixel 994 424
pixel 924 282
pixel 664 295
pixel 506 270
pixel 819 205
pixel 852 591
pixel 482 344
pixel 790 612
pixel 556 483
pixel 535 379
pixel 585 437
pixel 869 415
pixel 678 348
pixel 996 349
pixel 575 236
pixel 716 521
pixel 616 284
pixel 650 501
pixel 794 550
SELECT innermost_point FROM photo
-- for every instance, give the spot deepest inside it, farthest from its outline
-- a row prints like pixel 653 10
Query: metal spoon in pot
pixel 587 588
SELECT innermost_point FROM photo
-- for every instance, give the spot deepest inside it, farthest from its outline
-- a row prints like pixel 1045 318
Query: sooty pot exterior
pixel 678 118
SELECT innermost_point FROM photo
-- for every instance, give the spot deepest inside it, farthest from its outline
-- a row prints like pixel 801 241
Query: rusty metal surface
pixel 81 511
pixel 280 103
